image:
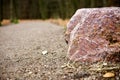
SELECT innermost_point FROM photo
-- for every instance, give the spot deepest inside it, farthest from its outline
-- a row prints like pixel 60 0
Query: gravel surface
pixel 37 51
pixel 21 47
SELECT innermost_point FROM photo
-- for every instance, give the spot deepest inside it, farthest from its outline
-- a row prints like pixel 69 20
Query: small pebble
pixel 44 52
pixel 109 74
pixel 105 64
pixel 30 72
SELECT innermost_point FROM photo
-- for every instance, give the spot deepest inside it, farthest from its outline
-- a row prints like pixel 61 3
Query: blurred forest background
pixel 45 9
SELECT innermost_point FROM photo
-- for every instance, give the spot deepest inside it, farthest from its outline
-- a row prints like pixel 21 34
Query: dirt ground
pixel 36 50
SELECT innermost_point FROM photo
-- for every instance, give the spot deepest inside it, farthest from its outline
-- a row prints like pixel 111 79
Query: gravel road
pixel 21 47
pixel 37 51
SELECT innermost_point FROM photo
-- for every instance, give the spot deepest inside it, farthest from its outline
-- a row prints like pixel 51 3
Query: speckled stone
pixel 93 34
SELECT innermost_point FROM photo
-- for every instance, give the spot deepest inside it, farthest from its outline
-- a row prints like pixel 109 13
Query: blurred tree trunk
pixel 92 3
pixel 76 4
pixel 104 2
pixel 87 4
pixel 82 3
pixel 13 11
pixel 43 9
pixel 53 10
pixel 69 8
pixel 1 11
pixel 33 9
pixel 61 8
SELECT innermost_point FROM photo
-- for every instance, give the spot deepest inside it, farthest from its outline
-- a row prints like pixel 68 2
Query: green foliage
pixel 65 28
pixel 15 21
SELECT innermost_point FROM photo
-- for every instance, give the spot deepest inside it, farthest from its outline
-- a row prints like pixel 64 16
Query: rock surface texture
pixel 93 35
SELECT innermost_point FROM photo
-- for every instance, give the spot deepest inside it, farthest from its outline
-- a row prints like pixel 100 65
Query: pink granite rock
pixel 93 34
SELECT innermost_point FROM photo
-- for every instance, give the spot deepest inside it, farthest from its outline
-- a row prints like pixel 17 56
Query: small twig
pixel 101 69
pixel 68 65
